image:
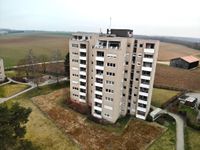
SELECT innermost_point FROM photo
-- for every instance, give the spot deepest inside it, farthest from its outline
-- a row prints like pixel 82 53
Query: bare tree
pixel 56 57
pixel 43 59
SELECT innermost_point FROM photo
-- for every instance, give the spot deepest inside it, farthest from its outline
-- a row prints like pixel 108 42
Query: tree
pixel 43 59
pixel 56 57
pixel 66 65
pixel 12 127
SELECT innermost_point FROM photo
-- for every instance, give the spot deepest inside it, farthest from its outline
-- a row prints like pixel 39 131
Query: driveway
pixel 179 128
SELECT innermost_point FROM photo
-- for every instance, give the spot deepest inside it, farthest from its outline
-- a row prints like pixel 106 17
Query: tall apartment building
pixel 2 73
pixel 113 73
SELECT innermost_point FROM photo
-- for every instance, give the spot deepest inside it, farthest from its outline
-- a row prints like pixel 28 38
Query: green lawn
pixel 167 141
pixel 160 96
pixel 41 130
pixel 192 139
pixel 11 89
pixel 14 47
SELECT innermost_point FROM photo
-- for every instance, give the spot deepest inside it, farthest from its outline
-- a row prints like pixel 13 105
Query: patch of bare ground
pixel 136 136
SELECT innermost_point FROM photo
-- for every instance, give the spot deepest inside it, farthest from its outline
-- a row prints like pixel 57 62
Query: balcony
pixel 83 50
pixel 97 116
pixel 149 50
pixel 82 73
pixel 145 77
pixel 142 101
pixel 97 100
pixel 82 100
pixel 147 68
pixel 81 93
pixel 148 60
pixel 100 58
pixel 82 65
pixel 98 92
pixel 98 108
pixel 82 80
pixel 98 84
pixel 99 76
pixel 99 67
pixel 143 94
pixel 82 57
pixel 141 109
pixel 83 87
pixel 140 116
pixel 144 85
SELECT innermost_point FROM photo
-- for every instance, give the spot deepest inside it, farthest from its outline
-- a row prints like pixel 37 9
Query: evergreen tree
pixel 12 127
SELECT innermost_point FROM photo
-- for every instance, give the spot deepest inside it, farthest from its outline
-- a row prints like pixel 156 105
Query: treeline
pixel 189 42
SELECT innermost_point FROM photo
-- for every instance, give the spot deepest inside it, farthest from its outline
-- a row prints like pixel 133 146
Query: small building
pixel 2 73
pixel 156 113
pixel 188 100
pixel 187 62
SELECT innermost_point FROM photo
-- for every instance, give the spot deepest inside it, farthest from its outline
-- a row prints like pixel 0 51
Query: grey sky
pixel 153 17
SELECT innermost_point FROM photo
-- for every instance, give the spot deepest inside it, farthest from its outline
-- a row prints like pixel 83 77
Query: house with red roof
pixel 186 62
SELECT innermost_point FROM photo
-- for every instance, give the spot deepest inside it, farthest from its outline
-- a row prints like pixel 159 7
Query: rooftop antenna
pixel 110 26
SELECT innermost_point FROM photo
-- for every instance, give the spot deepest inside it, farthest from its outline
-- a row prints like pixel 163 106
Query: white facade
pixel 2 73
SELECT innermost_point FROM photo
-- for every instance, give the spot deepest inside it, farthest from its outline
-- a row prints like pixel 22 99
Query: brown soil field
pixel 138 135
pixel 177 78
pixel 168 51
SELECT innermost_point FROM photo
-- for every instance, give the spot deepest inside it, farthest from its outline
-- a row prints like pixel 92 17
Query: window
pixel 75 45
pixel 128 45
pixel 142 105
pixel 83 54
pixel 124 94
pixel 99 80
pixel 82 69
pixel 143 81
pixel 141 45
pixel 126 71
pixel 83 90
pixel 99 72
pixel 125 79
pixel 82 77
pixel 98 104
pixel 82 97
pixel 150 45
pixel 126 62
pixel 75 53
pixel 143 97
pixel 100 54
pixel 146 73
pixel 110 74
pixel 109 90
pixel 111 64
pixel 99 88
pixel 110 82
pixel 75 88
pixel 98 96
pixel 82 83
pixel 97 112
pixel 74 60
pixel 145 90
pixel 147 64
pixel 148 56
pixel 83 62
pixel 99 63
pixel 83 46
pixel 109 99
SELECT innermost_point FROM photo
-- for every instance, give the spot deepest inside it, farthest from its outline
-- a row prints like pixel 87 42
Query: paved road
pixel 48 82
pixel 179 129
pixel 163 62
pixel 48 62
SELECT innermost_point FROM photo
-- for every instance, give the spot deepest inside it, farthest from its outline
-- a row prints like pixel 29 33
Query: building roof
pixel 190 59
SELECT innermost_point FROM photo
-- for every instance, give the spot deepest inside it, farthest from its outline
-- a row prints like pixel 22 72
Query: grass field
pixel 167 141
pixel 177 78
pixel 14 47
pixel 40 129
pixel 11 89
pixel 168 51
pixel 192 139
pixel 160 96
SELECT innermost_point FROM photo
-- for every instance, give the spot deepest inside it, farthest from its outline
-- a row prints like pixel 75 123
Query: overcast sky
pixel 149 17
